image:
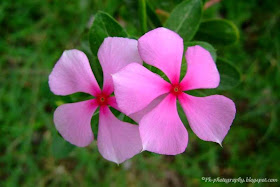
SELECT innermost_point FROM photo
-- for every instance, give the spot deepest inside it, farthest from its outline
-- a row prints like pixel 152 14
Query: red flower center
pixel 102 99
pixel 176 89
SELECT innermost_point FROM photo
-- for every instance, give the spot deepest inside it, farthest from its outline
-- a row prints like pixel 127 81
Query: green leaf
pixel 96 67
pixel 205 45
pixel 182 114
pixel 230 76
pixel 185 18
pixel 103 26
pixel 217 31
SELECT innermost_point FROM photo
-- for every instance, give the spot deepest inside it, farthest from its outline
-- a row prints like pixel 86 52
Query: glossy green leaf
pixel 185 18
pixel 205 45
pixel 103 26
pixel 217 31
pixel 230 77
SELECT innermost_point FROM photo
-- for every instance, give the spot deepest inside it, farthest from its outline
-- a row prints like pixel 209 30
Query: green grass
pixel 33 35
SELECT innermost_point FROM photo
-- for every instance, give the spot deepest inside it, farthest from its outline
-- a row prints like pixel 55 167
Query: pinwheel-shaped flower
pixel 117 140
pixel 148 98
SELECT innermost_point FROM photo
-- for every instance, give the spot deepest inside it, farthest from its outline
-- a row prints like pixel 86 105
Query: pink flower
pixel 117 140
pixel 151 101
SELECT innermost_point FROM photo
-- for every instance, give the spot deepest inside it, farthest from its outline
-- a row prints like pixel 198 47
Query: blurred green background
pixel 33 35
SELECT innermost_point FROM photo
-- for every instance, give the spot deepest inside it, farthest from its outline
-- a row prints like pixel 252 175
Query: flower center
pixel 176 89
pixel 102 99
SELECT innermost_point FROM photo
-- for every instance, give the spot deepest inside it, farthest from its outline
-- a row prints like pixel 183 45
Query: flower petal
pixel 209 117
pixel 114 54
pixel 113 103
pixel 117 141
pixel 72 73
pixel 162 130
pixel 202 71
pixel 136 87
pixel 163 49
pixel 73 122
pixel 137 116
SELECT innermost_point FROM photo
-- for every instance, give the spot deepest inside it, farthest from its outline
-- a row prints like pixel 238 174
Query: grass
pixel 34 35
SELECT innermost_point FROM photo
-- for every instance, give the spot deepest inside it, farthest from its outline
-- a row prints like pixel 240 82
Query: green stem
pixel 143 15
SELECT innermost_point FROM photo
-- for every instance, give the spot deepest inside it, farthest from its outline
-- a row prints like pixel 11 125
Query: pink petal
pixel 113 103
pixel 73 122
pixel 136 87
pixel 117 141
pixel 202 71
pixel 162 131
pixel 72 73
pixel 137 116
pixel 114 54
pixel 163 49
pixel 209 117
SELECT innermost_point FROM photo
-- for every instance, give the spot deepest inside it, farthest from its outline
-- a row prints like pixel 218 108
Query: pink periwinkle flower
pixel 117 140
pixel 151 101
